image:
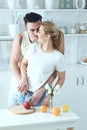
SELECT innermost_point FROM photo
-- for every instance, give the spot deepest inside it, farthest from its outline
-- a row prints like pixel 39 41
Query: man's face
pixel 33 29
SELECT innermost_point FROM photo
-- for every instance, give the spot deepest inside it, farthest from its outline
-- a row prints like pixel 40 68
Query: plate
pixel 83 63
pixel 19 109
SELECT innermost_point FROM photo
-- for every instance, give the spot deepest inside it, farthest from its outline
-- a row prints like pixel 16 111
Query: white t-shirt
pixel 41 65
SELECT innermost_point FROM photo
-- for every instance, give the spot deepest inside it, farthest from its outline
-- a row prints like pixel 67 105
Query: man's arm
pixel 60 81
pixel 61 78
pixel 23 85
pixel 51 78
pixel 15 56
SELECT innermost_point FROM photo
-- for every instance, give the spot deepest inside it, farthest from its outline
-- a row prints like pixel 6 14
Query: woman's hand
pixel 46 100
pixel 37 95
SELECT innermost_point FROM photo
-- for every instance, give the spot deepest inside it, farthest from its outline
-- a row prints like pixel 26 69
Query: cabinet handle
pixel 82 80
pixel 77 82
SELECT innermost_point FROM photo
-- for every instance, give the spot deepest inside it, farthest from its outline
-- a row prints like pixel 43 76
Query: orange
pixel 65 107
pixel 56 111
pixel 43 108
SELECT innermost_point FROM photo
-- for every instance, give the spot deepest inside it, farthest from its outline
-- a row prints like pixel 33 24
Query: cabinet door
pixel 4 88
pixel 73 90
pixel 83 102
pixel 77 86
pixel 69 92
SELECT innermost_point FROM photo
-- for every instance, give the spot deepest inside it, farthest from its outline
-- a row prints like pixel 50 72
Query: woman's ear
pixel 48 36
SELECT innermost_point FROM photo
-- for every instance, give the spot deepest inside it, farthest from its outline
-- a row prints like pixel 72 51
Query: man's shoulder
pixel 19 36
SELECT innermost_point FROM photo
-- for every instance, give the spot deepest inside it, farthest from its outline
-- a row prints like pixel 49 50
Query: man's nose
pixel 36 31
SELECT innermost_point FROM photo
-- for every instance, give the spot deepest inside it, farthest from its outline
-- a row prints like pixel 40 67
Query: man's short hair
pixel 32 17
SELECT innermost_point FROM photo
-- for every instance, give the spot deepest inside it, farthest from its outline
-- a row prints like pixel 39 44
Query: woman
pixel 41 60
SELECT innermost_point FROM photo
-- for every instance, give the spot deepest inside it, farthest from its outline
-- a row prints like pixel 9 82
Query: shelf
pixel 45 10
pixel 75 35
pixel 5 38
pixel 67 10
pixel 5 68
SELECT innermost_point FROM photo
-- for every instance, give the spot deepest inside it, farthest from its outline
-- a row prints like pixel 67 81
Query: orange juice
pixel 65 107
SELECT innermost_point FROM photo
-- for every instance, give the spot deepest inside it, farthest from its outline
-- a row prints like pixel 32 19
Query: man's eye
pixel 38 30
pixel 32 30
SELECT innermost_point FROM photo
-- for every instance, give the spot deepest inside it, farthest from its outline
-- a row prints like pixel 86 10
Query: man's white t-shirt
pixel 41 65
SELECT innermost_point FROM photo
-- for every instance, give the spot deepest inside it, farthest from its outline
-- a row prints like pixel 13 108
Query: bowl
pixel 82 27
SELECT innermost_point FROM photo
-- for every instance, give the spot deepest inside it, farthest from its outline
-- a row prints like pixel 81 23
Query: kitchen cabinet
pixel 74 93
pixel 78 93
pixel 83 94
pixel 37 120
pixel 5 77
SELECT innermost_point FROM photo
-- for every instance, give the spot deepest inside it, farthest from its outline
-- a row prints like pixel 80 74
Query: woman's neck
pixel 46 47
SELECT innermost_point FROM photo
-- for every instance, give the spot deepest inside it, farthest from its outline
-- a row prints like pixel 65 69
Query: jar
pixel 49 4
pixel 73 30
pixel 80 4
pixel 82 28
pixel 13 29
pixel 12 4
pixel 63 29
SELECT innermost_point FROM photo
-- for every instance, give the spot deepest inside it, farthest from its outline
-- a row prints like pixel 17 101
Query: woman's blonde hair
pixel 57 35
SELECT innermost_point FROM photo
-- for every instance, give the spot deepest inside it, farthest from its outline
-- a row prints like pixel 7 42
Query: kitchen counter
pixel 37 120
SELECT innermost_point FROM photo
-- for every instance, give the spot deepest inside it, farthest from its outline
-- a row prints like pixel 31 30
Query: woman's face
pixel 41 35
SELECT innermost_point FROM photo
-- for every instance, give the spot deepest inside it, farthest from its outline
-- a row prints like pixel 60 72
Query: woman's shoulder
pixel 59 53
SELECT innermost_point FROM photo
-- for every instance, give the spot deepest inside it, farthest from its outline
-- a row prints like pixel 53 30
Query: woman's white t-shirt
pixel 41 65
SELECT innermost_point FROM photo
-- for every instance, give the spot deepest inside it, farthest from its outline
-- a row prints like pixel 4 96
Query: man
pixel 21 43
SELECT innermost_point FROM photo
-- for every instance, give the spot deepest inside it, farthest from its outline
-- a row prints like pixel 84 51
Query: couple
pixel 39 62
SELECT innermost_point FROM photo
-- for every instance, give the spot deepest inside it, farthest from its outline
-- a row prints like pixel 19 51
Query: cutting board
pixel 19 109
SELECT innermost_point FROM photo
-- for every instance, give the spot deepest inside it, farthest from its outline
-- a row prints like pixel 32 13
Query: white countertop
pixel 9 120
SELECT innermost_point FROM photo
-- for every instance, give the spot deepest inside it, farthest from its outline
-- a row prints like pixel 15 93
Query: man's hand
pixel 46 100
pixel 23 87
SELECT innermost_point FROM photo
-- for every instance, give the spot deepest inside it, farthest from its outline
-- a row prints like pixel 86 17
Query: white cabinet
pixel 83 95
pixel 76 91
pixel 5 77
